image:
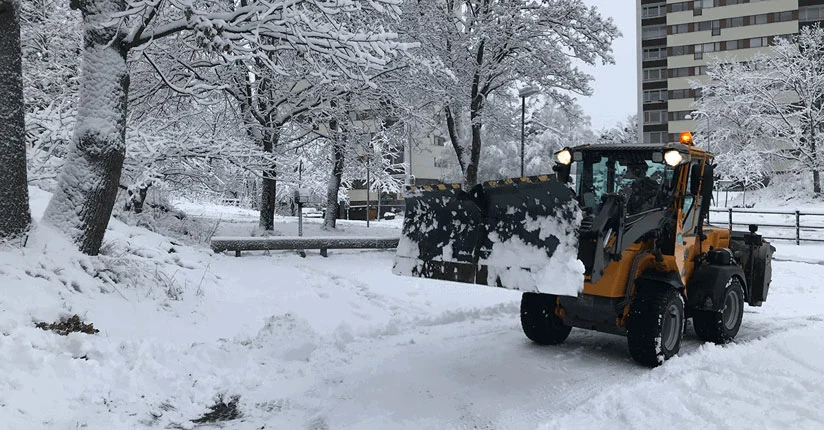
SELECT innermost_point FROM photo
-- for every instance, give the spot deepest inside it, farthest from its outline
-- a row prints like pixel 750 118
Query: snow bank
pixel 773 382
pixel 525 267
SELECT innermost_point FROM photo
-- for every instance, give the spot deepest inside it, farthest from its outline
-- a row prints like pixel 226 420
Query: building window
pixel 654 32
pixel 761 19
pixel 811 13
pixel 655 117
pixel 655 96
pixel 655 53
pixel 654 137
pixel 655 10
pixel 679 7
pixel 439 141
pixel 681 72
pixel 679 115
pixel 680 28
pixel 685 94
pixel 651 75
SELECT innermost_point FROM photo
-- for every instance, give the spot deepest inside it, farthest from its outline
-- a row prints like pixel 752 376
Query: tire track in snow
pixel 400 323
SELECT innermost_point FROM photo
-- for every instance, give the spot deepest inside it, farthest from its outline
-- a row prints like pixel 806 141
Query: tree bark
pixel 333 188
pixel 454 136
pixel 268 196
pixel 475 115
pixel 87 187
pixel 14 195
pixel 816 171
pixel 471 171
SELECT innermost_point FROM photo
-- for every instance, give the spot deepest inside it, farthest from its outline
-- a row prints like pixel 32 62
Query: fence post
pixel 730 212
pixel 797 228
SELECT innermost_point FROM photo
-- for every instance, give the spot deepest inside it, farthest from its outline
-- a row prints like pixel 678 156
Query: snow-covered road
pixel 426 354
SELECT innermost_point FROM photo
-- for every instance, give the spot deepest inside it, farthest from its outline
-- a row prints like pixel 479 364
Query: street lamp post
pixel 523 94
pixel 367 190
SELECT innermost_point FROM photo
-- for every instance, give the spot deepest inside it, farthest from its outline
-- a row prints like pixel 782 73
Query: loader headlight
pixel 564 157
pixel 673 157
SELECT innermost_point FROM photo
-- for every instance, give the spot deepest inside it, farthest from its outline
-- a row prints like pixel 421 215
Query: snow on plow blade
pixel 519 233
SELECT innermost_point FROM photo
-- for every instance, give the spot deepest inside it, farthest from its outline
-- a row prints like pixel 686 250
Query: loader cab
pixel 639 176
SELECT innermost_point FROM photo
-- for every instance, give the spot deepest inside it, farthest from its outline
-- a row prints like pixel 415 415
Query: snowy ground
pixel 339 342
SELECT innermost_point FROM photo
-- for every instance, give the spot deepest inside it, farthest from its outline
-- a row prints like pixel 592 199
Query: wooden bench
pixel 299 243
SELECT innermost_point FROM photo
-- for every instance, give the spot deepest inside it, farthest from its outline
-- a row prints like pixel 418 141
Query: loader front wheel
pixel 655 325
pixel 539 322
pixel 721 326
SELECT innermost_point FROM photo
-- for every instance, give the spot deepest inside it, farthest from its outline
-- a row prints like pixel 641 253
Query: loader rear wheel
pixel 721 326
pixel 655 325
pixel 539 322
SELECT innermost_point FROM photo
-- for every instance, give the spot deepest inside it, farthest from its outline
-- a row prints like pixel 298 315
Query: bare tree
pixel 51 41
pixel 14 196
pixel 770 109
pixel 488 46
pixel 548 128
pixel 85 195
pixel 623 133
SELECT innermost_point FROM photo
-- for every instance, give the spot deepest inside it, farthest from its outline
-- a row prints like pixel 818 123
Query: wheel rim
pixel 732 309
pixel 670 324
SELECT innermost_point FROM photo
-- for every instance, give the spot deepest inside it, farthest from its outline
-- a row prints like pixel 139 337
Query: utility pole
pixel 523 94
pixel 300 199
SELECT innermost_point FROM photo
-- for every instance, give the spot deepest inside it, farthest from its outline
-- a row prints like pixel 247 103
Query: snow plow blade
pixel 519 233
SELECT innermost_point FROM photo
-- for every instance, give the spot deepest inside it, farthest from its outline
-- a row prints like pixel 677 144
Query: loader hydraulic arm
pixel 601 235
pixel 604 237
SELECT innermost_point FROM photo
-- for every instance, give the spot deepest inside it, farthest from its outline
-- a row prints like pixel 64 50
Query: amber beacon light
pixel 686 138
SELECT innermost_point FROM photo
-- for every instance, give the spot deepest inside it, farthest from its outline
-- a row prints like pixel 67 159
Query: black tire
pixel 722 326
pixel 655 325
pixel 539 322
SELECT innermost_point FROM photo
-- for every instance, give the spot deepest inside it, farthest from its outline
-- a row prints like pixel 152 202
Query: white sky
pixel 615 86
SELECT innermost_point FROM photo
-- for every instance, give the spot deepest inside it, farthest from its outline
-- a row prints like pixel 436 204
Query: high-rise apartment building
pixel 677 39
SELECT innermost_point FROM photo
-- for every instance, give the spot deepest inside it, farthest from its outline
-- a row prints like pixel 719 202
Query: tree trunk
pixel 14 194
pixel 333 188
pixel 452 129
pixel 471 170
pixel 816 171
pixel 268 196
pixel 475 111
pixel 87 187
